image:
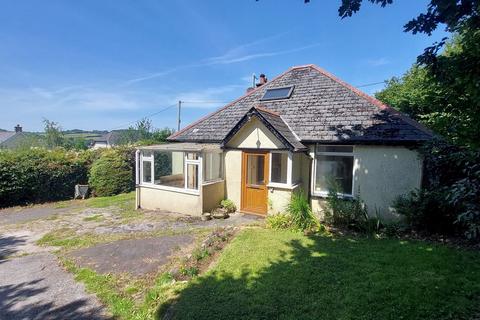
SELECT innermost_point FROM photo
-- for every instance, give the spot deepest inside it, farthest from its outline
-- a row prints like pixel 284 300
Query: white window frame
pixel 222 167
pixel 198 163
pixel 174 189
pixel 289 171
pixel 313 179
pixel 146 159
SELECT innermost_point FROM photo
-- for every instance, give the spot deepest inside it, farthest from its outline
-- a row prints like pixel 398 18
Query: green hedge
pixel 39 175
pixel 113 172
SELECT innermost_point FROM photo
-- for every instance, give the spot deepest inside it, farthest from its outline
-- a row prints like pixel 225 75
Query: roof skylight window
pixel 277 93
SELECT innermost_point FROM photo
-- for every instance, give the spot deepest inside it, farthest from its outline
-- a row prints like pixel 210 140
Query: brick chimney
pixel 263 79
pixel 18 128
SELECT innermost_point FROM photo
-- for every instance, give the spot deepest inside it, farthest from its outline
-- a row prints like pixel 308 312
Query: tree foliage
pixel 53 134
pixel 143 133
pixel 448 100
pixel 113 172
pixel 449 202
pixel 39 175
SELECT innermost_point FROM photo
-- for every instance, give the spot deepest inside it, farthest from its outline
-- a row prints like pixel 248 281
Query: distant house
pixel 303 130
pixel 13 139
pixel 109 139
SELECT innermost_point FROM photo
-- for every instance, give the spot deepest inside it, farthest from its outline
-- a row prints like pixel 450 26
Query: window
pixel 192 162
pixel 255 170
pixel 279 167
pixel 169 168
pixel 278 93
pixel 212 166
pixel 173 169
pixel 146 169
pixel 334 165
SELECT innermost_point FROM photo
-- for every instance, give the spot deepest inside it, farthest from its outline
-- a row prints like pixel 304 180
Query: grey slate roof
pixel 5 135
pixel 112 138
pixel 322 108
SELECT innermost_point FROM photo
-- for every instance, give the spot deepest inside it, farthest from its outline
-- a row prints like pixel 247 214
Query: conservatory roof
pixel 185 146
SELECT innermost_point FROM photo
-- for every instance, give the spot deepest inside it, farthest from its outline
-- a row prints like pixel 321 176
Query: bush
pixel 349 213
pixel 341 212
pixel 301 213
pixel 423 210
pixel 113 172
pixel 228 205
pixel 449 202
pixel 38 175
pixel 279 221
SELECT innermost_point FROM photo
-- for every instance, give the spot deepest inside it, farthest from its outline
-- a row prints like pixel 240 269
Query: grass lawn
pixel 265 274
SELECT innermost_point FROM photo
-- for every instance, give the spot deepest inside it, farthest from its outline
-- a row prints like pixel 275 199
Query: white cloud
pixel 378 62
pixel 235 55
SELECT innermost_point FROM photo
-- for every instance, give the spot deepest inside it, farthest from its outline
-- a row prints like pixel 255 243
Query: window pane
pixel 277 93
pixel 212 166
pixel 169 168
pixel 279 167
pixel 334 169
pixel 192 176
pixel 147 171
pixel 335 149
pixel 255 168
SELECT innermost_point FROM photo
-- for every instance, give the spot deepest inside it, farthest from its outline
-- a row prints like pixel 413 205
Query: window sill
pixel 207 183
pixel 325 195
pixel 282 186
pixel 172 189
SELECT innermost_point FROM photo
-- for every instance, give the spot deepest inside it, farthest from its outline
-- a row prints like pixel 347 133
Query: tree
pixel 53 134
pixel 447 100
pixel 144 133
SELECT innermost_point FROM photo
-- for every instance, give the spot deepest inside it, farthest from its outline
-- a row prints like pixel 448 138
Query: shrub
pixel 301 213
pixel 38 175
pixel 423 210
pixel 279 221
pixel 228 205
pixel 344 212
pixel 113 172
pixel 449 202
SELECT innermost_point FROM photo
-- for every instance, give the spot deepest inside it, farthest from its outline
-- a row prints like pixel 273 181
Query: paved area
pixel 33 285
pixel 20 215
pixel 135 256
pixel 36 287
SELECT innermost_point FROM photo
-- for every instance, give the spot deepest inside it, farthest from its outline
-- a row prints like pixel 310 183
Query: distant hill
pixel 77 131
pixel 3 130
pixel 85 134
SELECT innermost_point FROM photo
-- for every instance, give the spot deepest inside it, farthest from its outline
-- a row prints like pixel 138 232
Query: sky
pixel 105 64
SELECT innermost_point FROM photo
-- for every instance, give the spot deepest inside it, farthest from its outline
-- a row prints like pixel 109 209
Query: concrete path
pixel 136 256
pixel 36 287
pixel 24 214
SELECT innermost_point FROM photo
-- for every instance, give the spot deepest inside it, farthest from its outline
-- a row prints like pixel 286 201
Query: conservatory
pixel 180 177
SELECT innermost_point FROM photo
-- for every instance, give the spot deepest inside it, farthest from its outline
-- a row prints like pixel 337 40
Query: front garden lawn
pixel 265 274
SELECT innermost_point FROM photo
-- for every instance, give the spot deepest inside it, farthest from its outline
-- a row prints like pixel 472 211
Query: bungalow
pixel 301 130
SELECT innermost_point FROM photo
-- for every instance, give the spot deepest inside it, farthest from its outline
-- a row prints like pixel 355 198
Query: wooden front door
pixel 254 182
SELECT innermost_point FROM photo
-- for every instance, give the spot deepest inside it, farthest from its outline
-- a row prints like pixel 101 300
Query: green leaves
pixel 113 172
